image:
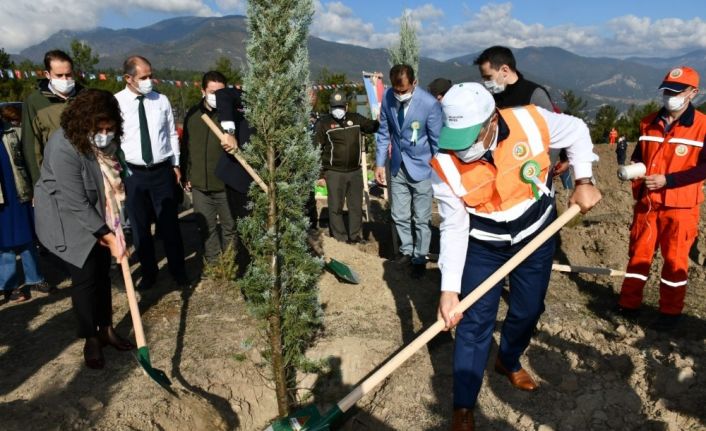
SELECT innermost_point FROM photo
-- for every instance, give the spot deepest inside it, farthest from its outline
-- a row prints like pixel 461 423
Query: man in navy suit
pixel 410 123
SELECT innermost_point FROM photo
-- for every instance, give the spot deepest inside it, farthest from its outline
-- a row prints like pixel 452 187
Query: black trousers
pixel 152 193
pixel 238 204
pixel 90 292
pixel 345 187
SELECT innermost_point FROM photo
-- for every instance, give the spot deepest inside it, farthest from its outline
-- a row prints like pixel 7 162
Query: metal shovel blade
pixel 342 271
pixel 307 419
pixel 159 376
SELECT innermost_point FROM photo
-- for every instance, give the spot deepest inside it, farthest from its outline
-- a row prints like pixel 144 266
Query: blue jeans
pixel 411 200
pixel 528 287
pixel 8 266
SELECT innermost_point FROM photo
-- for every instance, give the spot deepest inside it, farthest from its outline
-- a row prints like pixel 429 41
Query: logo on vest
pixel 350 123
pixel 520 151
pixel 681 150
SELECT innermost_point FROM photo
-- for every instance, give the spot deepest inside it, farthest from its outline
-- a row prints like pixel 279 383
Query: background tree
pixel 604 121
pixel 574 104
pixel 5 61
pixel 407 51
pixel 82 55
pixel 232 74
pixel 629 122
pixel 280 284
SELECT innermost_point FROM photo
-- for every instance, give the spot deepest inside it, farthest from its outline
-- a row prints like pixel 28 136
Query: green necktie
pixel 145 133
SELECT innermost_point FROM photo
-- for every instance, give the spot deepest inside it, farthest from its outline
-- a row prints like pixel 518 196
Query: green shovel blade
pixel 159 376
pixel 307 419
pixel 342 271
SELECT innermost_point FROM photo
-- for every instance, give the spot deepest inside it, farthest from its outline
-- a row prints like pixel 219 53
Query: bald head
pixel 131 64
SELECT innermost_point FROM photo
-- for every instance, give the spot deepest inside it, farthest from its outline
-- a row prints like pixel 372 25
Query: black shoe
pixel 43 287
pixel 418 270
pixel 403 259
pixel 666 322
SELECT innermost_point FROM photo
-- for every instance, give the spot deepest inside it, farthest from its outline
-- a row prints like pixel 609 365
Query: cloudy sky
pixel 446 28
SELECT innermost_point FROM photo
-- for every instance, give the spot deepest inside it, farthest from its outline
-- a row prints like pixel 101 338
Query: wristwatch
pixel 230 132
pixel 587 180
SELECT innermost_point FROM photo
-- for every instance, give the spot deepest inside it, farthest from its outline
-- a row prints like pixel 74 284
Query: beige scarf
pixel 114 191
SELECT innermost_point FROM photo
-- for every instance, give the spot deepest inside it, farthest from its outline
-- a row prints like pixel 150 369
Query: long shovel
pixel 236 153
pixel 143 352
pixel 309 419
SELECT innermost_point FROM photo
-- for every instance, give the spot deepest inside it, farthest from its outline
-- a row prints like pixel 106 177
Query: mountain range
pixel 195 43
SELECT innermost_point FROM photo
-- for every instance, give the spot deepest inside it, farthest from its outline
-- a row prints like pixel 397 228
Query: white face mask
pixel 63 86
pixel 101 141
pixel 338 113
pixel 144 86
pixel 472 153
pixel 403 97
pixel 211 100
pixel 674 103
pixel 476 151
pixel 494 87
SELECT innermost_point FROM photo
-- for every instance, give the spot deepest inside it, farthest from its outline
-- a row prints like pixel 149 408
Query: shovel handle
pixel 588 270
pixel 211 125
pixel 396 361
pixel 132 301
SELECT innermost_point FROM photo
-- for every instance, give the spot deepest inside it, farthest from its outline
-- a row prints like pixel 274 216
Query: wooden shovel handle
pixel 396 361
pixel 211 125
pixel 132 301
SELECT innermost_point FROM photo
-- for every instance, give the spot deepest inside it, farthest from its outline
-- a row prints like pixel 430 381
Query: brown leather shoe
pixel 519 379
pixel 462 420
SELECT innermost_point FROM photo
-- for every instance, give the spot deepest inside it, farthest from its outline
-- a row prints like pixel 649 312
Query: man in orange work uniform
pixel 668 197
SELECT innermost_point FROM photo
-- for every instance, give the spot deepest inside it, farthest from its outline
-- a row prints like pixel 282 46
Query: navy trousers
pixel 528 287
pixel 150 193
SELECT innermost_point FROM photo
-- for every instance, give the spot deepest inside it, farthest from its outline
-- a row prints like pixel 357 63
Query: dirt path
pixel 596 374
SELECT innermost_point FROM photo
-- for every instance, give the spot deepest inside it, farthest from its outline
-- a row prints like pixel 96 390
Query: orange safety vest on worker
pixel 667 217
pixel 511 195
pixel 674 151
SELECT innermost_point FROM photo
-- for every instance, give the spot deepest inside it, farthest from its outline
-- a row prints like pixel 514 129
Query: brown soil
pixel 595 372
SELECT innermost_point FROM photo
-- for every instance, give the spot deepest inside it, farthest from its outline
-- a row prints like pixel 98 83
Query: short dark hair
pixel 213 76
pixel 130 64
pixel 400 70
pixel 58 55
pixel 439 86
pixel 497 56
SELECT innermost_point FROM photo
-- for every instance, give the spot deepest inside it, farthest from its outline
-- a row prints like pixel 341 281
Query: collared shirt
pixel 564 132
pixel 160 121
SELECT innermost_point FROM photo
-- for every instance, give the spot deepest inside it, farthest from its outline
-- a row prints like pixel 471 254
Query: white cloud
pixel 232 6
pixel 494 24
pixel 32 21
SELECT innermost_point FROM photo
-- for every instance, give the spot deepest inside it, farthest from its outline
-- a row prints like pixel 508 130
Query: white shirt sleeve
pixel 454 227
pixel 173 135
pixel 566 131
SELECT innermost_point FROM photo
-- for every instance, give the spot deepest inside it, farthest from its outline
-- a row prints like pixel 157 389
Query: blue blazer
pixel 424 112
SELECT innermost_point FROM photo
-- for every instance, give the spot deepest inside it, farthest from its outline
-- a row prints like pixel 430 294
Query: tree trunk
pixel 275 320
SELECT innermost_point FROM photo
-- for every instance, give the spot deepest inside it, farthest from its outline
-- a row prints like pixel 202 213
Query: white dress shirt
pixel 160 122
pixel 565 131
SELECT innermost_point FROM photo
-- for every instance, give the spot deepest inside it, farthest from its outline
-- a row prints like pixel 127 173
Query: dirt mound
pixel 596 373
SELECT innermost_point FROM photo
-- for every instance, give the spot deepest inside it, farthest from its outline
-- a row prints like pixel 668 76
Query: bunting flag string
pixel 8 74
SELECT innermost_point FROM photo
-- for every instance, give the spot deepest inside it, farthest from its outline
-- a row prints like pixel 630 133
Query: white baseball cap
pixel 467 106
